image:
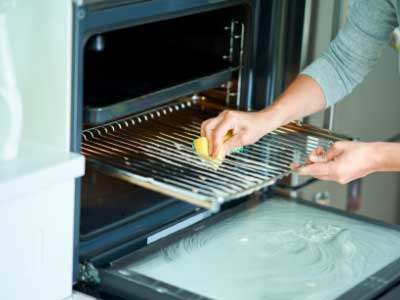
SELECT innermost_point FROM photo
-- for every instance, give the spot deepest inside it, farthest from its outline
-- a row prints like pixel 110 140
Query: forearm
pixel 302 98
pixel 387 157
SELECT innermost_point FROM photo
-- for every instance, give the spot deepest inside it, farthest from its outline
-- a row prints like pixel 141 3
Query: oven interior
pixel 140 67
pixel 137 68
pixel 146 90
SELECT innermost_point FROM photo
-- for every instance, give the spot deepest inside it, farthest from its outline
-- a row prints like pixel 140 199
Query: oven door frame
pixel 383 280
pixel 260 73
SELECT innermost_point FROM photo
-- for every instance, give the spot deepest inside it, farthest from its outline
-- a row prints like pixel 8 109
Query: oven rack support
pixel 236 31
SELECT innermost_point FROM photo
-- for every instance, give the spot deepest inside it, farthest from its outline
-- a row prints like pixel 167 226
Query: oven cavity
pixel 139 67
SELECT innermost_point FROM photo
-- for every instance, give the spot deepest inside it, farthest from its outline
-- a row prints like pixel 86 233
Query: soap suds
pixel 279 250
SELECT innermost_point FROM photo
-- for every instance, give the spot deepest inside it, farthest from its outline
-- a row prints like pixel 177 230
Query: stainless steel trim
pixel 97 115
pixel 154 150
pixel 305 43
pixel 329 114
pixel 80 3
pixel 241 63
pixel 129 285
pixel 177 227
pixel 234 36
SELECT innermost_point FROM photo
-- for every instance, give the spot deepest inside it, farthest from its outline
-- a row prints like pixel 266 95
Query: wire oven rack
pixel 154 150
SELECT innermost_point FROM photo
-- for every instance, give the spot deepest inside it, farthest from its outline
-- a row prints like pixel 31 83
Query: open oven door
pixel 264 249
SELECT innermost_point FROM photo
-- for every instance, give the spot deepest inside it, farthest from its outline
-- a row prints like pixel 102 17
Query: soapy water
pixel 278 250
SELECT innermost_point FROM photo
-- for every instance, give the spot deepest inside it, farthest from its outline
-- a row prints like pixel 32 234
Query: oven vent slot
pixel 154 150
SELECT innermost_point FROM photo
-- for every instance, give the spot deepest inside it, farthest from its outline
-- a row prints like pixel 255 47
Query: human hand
pixel 344 161
pixel 247 128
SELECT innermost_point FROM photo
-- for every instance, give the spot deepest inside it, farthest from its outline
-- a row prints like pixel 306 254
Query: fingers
pixel 203 127
pixel 317 171
pixel 314 155
pixel 207 129
pixel 218 134
pixel 208 125
pixel 331 165
pixel 322 171
pixel 325 171
pixel 294 166
pixel 215 129
pixel 320 156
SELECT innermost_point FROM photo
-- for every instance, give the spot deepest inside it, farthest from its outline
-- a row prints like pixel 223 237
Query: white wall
pixel 37 188
pixel 40 34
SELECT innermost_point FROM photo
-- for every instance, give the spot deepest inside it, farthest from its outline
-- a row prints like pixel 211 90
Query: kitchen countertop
pixel 36 167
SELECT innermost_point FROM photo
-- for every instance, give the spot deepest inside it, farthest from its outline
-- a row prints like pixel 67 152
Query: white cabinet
pixel 36 223
pixel 37 188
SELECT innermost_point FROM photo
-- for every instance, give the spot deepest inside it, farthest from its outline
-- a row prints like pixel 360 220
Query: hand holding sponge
pixel 201 145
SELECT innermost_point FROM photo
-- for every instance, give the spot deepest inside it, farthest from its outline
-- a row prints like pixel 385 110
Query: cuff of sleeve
pixel 326 77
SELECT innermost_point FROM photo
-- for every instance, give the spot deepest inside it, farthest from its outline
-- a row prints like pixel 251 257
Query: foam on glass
pixel 277 250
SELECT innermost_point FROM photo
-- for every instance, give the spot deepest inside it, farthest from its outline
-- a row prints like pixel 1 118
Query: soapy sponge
pixel 200 145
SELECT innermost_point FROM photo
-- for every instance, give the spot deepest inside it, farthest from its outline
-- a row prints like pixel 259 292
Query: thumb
pixel 317 169
pixel 325 156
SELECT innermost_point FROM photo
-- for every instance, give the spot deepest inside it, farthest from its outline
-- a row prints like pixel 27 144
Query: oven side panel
pixel 76 127
pixel 277 56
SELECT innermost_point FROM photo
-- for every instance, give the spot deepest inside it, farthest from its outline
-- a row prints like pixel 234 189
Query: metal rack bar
pixel 154 150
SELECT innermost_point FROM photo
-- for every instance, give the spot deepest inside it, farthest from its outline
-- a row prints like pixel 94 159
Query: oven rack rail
pixel 154 150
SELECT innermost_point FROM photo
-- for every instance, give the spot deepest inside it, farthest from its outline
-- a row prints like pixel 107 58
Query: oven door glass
pixel 274 250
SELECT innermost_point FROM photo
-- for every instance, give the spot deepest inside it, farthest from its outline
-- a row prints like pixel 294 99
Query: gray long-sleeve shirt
pixel 356 49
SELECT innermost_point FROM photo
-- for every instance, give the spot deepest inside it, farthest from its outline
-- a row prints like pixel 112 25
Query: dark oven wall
pixel 135 61
pixel 278 51
pixel 134 66
pixel 106 62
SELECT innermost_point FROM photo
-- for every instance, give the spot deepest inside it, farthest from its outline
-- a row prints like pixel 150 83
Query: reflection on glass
pixel 278 250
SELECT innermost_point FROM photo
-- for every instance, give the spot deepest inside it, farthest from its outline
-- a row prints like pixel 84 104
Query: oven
pixel 152 219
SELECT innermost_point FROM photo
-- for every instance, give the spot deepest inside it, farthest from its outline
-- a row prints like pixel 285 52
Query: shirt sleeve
pixel 355 50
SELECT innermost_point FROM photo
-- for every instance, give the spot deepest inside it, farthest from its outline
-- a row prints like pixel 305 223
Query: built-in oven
pixel 153 220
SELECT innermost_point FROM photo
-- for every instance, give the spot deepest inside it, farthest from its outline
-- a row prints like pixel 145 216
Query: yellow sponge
pixel 201 145
pixel 228 135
